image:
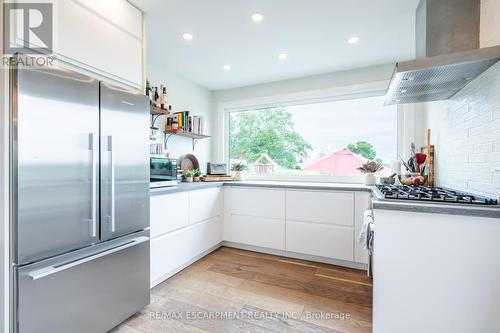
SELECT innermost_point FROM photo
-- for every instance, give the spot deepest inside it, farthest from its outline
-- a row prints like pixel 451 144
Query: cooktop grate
pixel 432 194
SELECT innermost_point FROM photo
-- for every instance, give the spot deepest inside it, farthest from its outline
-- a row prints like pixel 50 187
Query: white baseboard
pixel 294 255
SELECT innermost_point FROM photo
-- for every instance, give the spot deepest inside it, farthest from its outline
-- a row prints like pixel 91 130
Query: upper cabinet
pixel 104 37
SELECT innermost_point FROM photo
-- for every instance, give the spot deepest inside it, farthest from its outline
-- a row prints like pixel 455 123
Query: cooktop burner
pixel 434 194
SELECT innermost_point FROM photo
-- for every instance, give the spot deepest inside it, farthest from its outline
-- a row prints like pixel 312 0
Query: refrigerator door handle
pixel 112 175
pixel 47 271
pixel 93 158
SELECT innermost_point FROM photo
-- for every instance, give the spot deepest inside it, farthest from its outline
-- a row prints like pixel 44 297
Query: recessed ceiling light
pixel 187 36
pixel 227 67
pixel 354 40
pixel 283 56
pixel 257 17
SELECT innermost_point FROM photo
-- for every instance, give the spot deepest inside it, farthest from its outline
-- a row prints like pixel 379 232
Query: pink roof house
pixel 340 163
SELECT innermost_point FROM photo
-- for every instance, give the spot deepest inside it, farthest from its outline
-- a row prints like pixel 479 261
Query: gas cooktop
pixel 431 194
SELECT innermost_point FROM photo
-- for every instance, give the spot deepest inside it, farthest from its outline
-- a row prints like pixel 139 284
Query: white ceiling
pixel 313 32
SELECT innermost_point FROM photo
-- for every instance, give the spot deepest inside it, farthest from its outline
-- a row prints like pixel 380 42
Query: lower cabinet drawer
pixel 256 231
pixel 171 251
pixel 323 240
pixel 168 212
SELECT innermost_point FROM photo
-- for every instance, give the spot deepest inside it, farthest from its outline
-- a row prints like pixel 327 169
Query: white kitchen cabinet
pixel 268 203
pixel 362 202
pixel 174 251
pixel 104 37
pixel 308 222
pixel 255 216
pixel 168 212
pixel 323 240
pixel 435 273
pixel 320 206
pixel 255 231
pixel 119 12
pixel 205 204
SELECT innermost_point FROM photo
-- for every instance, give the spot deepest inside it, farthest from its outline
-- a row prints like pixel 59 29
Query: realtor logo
pixel 28 28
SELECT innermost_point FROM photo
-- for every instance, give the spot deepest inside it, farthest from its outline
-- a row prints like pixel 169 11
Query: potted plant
pixel 189 174
pixel 369 169
pixel 238 168
pixel 196 175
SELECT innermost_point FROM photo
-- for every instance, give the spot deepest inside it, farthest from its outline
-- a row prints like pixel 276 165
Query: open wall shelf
pixel 193 136
pixel 157 111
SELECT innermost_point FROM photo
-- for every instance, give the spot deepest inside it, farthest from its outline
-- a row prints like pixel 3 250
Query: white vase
pixel 370 179
pixel 237 175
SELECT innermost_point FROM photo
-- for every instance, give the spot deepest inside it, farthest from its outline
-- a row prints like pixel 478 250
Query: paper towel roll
pixel 396 167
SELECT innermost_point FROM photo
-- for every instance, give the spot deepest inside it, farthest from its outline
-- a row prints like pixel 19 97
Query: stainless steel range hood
pixel 448 46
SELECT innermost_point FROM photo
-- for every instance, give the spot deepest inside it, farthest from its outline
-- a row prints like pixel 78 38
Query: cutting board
pixel 218 178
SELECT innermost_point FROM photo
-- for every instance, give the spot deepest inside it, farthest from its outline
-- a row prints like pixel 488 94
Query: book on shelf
pixel 190 124
pixel 182 120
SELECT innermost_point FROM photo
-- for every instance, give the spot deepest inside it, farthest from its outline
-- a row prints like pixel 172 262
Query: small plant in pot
pixel 238 168
pixel 197 175
pixel 189 175
pixel 369 169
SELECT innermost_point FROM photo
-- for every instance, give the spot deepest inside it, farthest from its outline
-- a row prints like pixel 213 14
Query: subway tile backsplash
pixel 467 136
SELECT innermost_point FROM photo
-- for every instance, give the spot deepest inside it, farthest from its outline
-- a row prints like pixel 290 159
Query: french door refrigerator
pixel 80 202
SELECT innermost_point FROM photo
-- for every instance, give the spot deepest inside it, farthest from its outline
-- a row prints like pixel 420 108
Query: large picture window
pixel 321 139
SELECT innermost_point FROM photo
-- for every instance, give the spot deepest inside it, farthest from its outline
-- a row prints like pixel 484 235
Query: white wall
pixel 184 95
pixel 310 83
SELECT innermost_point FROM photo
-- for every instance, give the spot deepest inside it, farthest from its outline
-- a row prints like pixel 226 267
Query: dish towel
pixel 366 234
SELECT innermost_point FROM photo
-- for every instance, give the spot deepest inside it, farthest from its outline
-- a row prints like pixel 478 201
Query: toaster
pixel 216 169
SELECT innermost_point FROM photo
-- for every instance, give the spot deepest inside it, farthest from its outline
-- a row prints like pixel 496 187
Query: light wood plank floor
pixel 233 290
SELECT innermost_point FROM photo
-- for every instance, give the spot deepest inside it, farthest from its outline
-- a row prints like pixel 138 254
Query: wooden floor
pixel 233 290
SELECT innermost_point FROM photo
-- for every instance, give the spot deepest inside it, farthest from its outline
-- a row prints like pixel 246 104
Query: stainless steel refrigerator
pixel 80 202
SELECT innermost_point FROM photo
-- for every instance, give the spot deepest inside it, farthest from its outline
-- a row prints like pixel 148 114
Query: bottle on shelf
pixel 164 97
pixel 175 124
pixel 161 100
pixel 148 89
pixel 156 97
pixel 168 127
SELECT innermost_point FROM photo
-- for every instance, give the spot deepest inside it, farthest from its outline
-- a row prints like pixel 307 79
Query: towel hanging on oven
pixel 366 234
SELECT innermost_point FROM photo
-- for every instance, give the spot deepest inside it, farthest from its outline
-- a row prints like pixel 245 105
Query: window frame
pixel 405 123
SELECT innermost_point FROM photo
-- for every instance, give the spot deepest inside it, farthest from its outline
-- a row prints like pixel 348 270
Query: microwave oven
pixel 163 169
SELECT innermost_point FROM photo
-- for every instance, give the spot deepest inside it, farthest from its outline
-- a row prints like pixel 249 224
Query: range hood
pixel 449 57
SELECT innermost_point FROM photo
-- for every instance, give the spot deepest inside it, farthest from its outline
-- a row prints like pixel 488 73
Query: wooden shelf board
pixel 189 135
pixel 157 111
